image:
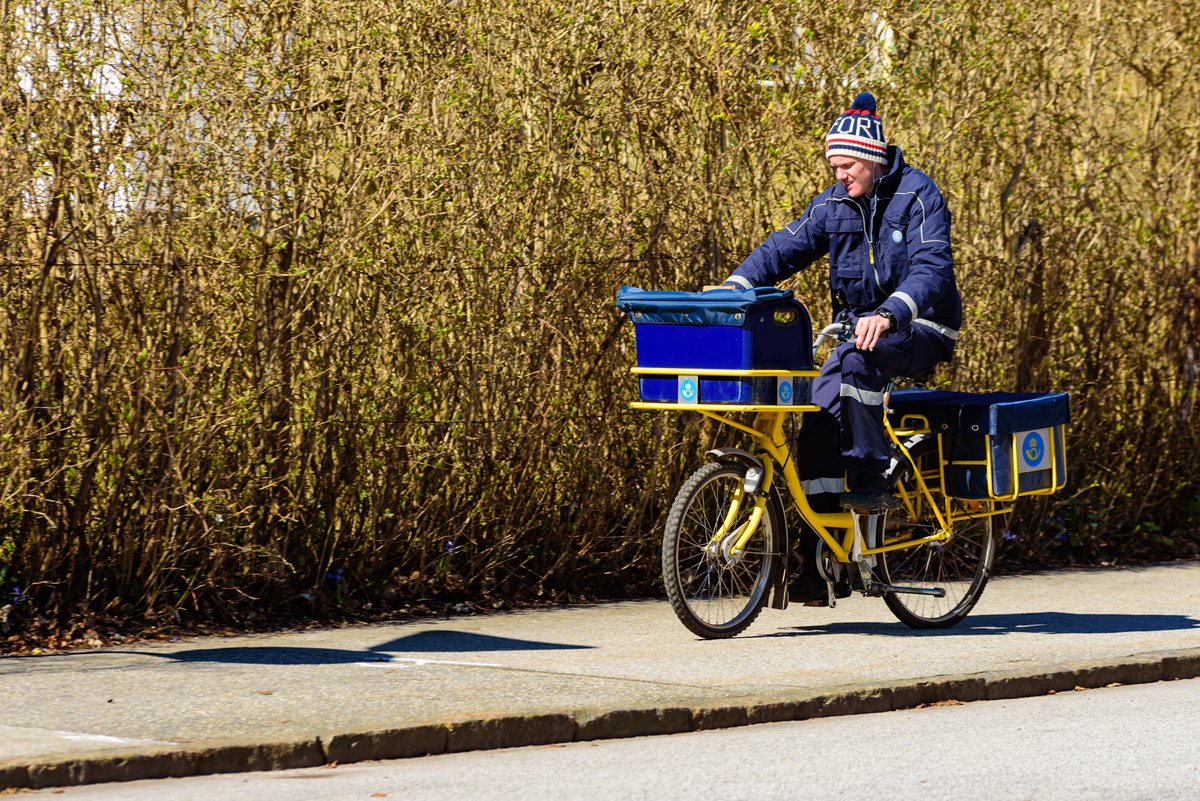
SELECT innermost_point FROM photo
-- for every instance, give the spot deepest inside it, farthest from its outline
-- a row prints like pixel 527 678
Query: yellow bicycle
pixel 726 546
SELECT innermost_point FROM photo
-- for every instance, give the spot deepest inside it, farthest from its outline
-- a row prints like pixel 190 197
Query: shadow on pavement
pixel 445 642
pixel 1020 623
pixel 270 655
pixel 425 642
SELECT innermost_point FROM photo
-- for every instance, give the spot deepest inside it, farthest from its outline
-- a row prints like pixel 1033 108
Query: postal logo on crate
pixel 785 393
pixel 1034 453
pixel 689 389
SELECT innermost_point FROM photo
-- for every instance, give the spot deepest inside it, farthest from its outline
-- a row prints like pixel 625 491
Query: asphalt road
pixel 1134 742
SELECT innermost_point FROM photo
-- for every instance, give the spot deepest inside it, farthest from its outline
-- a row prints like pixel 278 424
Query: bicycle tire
pixel 961 565
pixel 712 596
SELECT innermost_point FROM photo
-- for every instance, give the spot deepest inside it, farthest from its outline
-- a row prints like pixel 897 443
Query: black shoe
pixel 809 588
pixel 869 494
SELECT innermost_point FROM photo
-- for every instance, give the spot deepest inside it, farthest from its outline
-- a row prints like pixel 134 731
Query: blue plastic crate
pixel 726 329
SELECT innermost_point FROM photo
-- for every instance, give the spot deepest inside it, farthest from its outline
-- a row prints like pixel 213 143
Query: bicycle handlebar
pixel 842 332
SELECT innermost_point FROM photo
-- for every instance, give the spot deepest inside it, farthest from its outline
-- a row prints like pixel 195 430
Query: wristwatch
pixel 891 318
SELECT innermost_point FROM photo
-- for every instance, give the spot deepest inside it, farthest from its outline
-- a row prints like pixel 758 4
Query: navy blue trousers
pixel 847 435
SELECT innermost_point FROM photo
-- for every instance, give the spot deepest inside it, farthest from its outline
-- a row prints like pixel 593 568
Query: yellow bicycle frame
pixel 769 441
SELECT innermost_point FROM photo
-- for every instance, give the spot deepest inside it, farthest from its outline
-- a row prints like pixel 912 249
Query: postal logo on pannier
pixel 1034 450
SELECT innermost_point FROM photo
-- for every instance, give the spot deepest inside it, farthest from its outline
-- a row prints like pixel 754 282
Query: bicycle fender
pixel 734 455
pixel 778 599
pixel 900 461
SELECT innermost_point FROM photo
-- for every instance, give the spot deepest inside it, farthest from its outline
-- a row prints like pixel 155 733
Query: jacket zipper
pixel 868 225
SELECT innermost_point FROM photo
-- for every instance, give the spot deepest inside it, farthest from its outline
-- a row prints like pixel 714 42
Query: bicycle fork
pixel 731 545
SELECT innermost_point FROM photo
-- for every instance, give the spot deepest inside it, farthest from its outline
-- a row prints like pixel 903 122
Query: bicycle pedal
pixel 822 602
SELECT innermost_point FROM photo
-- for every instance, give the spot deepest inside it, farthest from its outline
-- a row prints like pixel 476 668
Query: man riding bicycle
pixel 886 229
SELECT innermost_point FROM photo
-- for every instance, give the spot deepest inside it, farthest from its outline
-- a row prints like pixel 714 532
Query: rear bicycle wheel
pixel 960 565
pixel 715 593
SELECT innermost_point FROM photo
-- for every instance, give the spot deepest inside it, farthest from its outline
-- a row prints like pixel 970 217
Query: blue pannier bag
pixel 996 445
pixel 723 329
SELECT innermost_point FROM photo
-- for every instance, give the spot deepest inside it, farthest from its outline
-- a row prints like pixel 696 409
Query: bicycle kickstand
pixel 871 585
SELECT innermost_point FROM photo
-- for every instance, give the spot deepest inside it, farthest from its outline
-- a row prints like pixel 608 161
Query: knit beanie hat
pixel 858 132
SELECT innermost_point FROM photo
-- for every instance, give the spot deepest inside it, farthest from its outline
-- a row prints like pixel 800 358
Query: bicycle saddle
pixel 922 377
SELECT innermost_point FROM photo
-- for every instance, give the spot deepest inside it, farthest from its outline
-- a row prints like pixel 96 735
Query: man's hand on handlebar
pixel 868 330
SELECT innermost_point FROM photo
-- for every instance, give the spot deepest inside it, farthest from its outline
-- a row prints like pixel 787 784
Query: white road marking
pixel 392 660
pixel 104 738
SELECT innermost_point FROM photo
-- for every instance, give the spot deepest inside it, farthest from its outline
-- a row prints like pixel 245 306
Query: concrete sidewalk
pixel 616 670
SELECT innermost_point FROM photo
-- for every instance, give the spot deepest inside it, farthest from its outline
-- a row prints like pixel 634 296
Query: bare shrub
pixel 319 297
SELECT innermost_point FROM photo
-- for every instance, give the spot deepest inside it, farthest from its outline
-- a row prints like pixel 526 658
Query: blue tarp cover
pixel 988 413
pixel 715 307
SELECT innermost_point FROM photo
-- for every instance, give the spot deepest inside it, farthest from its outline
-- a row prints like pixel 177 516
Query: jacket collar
pixel 887 183
pixel 890 182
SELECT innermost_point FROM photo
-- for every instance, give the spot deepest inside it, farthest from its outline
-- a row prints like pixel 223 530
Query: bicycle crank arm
pixel 880 589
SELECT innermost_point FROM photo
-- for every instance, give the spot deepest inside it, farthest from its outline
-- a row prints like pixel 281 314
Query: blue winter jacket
pixel 890 251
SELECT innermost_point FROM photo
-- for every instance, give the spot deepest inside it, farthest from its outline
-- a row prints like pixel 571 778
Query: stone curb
pixel 512 730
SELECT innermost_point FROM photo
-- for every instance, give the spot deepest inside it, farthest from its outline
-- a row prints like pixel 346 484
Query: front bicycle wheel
pixel 715 592
pixel 960 565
